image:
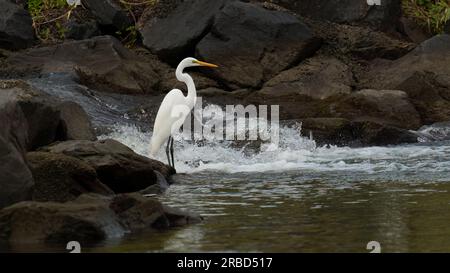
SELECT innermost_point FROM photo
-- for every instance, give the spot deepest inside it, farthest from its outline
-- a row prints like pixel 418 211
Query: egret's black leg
pixel 167 151
pixel 171 153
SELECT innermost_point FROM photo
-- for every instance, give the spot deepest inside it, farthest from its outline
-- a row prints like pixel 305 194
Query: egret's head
pixel 189 62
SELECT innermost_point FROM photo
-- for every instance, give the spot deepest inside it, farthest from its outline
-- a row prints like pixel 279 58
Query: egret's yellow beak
pixel 206 64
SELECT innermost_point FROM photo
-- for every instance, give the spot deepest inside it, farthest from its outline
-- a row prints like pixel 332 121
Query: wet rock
pixel 16 181
pixel 384 16
pixel 75 123
pixel 88 219
pixel 387 107
pixel 370 133
pixel 31 113
pixel 178 218
pixel 160 187
pixel 43 115
pixel 424 74
pixel 101 63
pixel 117 166
pixel 62 178
pixel 317 77
pixel 439 131
pixel 16 31
pixel 262 43
pixel 108 13
pixel 333 131
pixel 336 119
pixel 174 37
pixel 29 119
pixel 137 212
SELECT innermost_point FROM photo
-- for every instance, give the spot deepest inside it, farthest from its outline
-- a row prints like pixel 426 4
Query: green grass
pixel 432 14
pixel 49 17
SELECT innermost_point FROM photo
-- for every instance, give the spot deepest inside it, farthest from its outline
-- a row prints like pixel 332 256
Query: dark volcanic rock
pixel 101 63
pixel 81 30
pixel 16 31
pixel 317 77
pixel 16 180
pixel 333 131
pixel 88 219
pixel 174 37
pixel 43 115
pixel 252 44
pixel 358 118
pixel 108 13
pixel 368 132
pixel 385 16
pixel 387 107
pixel 424 74
pixel 62 178
pixel 75 123
pixel 117 165
pixel 29 120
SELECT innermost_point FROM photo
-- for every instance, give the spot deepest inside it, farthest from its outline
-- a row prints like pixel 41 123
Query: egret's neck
pixel 192 91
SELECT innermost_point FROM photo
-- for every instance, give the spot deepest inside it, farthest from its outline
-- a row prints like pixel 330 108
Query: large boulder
pixel 424 74
pixel 318 78
pixel 174 37
pixel 117 166
pixel 388 107
pixel 385 16
pixel 75 123
pixel 252 44
pixel 360 118
pixel 62 178
pixel 16 180
pixel 108 13
pixel 370 133
pixel 46 119
pixel 101 63
pixel 16 31
pixel 88 219
pixel 29 120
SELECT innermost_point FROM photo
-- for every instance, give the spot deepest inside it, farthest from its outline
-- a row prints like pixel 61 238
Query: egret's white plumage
pixel 175 107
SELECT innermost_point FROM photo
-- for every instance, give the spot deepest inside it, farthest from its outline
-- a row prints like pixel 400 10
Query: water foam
pixel 294 152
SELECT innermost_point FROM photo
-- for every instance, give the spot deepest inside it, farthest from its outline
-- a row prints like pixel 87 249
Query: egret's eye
pixel 194 61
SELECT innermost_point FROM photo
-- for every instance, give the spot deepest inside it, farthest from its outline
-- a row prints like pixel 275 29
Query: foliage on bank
pixel 432 14
pixel 50 18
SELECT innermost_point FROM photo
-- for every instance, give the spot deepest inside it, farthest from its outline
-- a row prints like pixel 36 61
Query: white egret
pixel 174 109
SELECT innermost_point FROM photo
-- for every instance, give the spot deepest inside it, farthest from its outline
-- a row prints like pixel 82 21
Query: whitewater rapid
pixel 293 152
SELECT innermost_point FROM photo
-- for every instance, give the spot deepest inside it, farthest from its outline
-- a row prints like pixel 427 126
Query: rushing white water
pixel 293 153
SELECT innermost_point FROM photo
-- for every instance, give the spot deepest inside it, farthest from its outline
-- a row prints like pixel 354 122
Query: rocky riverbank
pixel 351 74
